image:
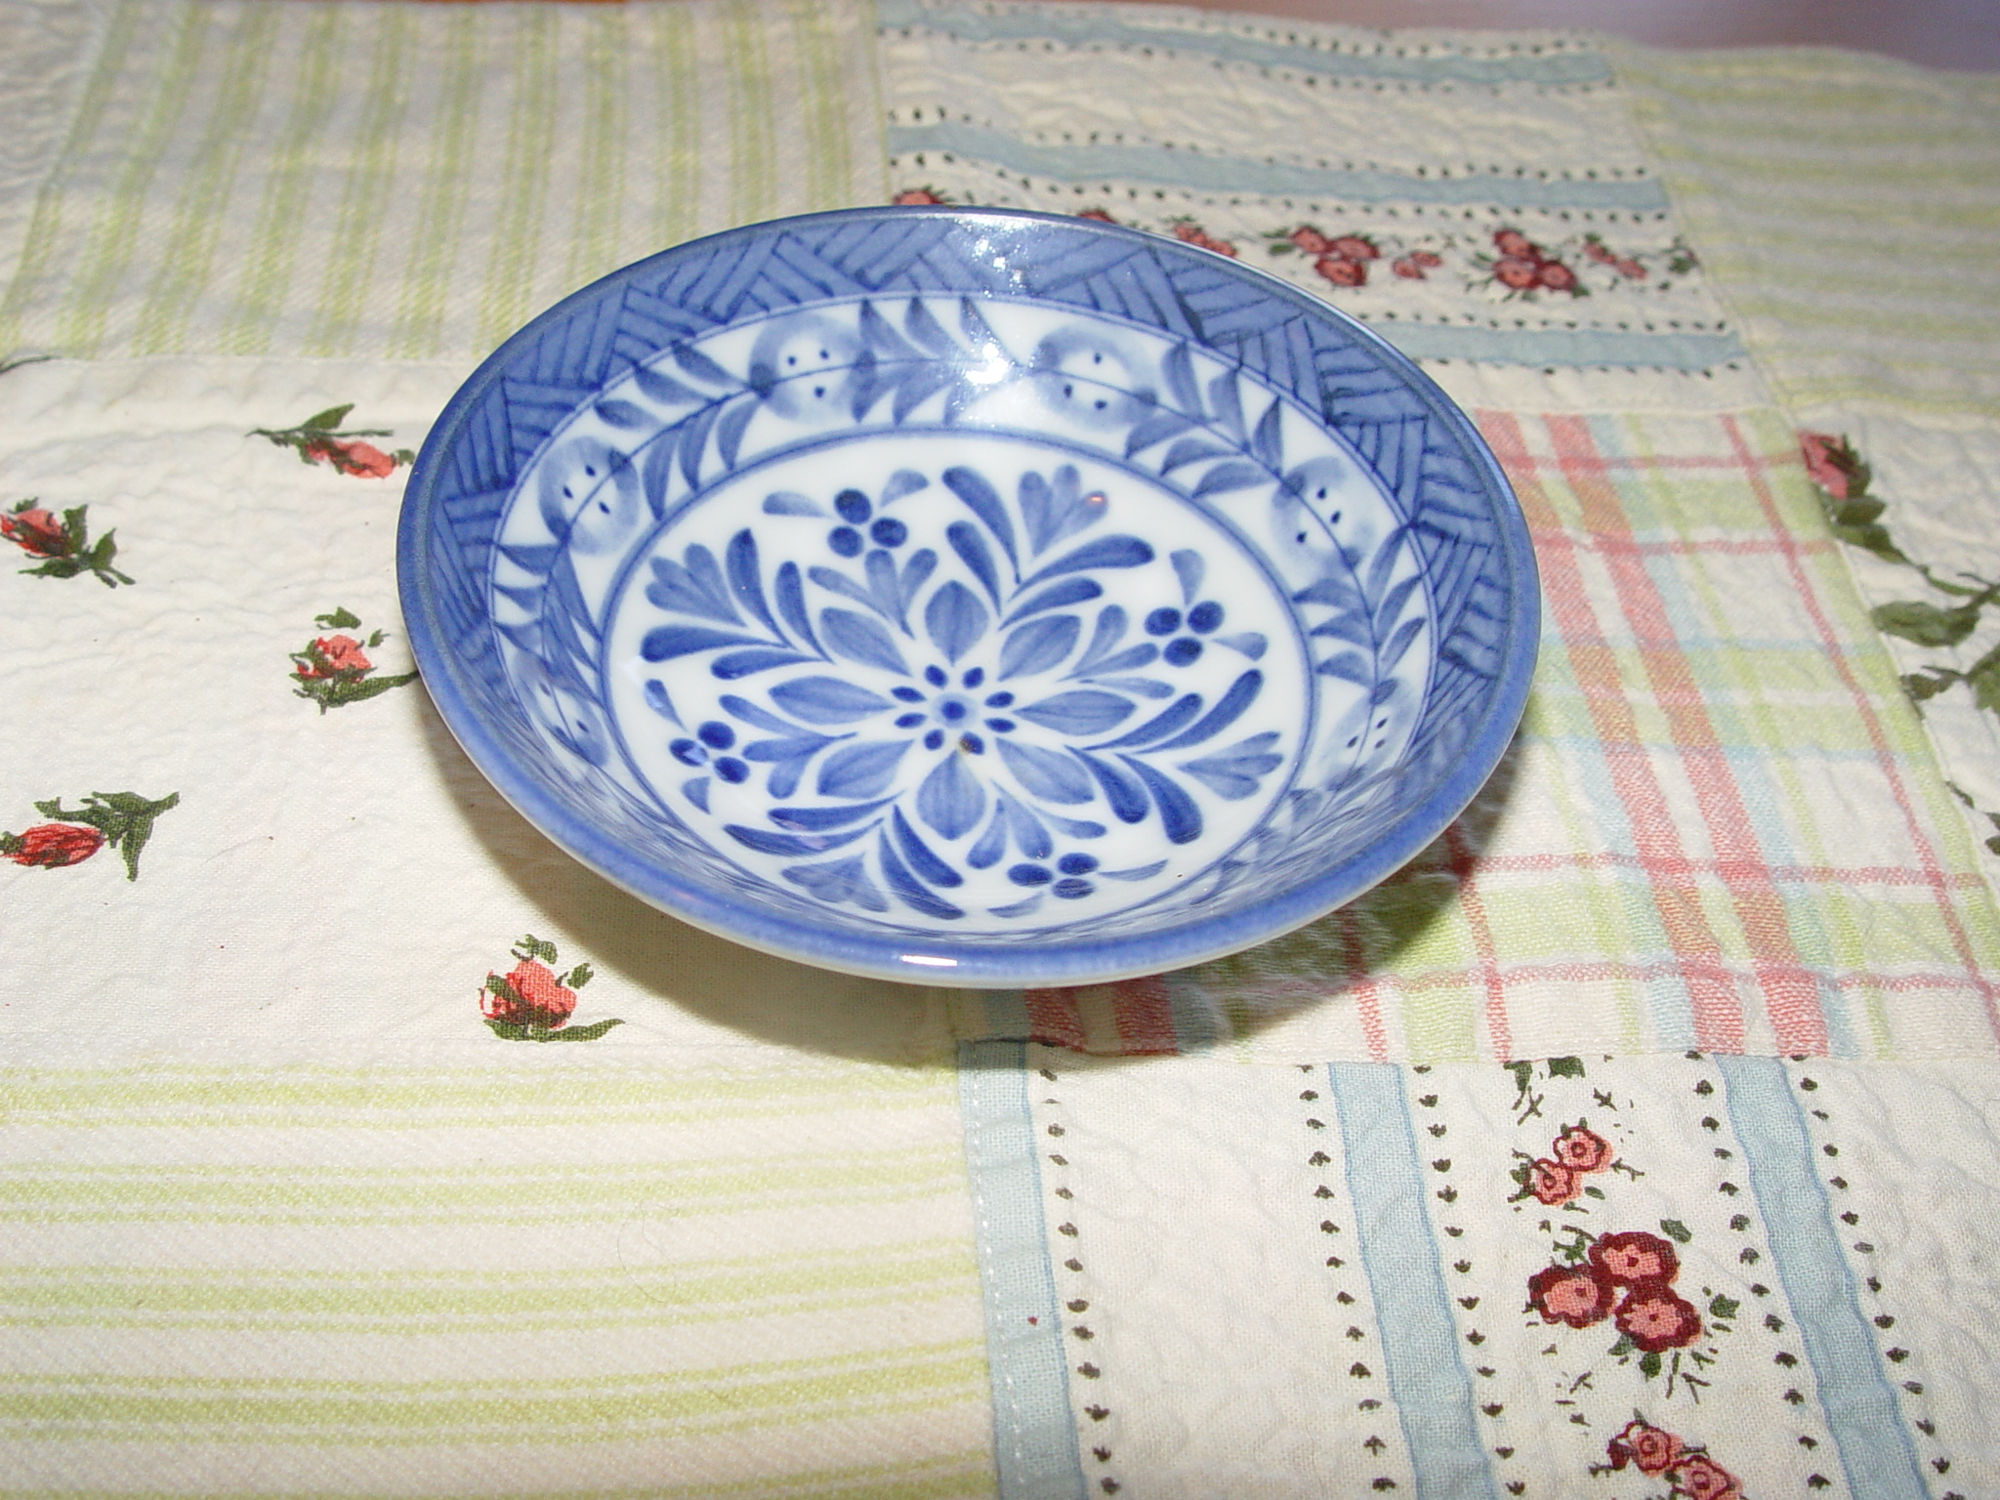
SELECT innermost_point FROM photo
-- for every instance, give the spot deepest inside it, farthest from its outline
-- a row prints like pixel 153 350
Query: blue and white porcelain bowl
pixel 969 597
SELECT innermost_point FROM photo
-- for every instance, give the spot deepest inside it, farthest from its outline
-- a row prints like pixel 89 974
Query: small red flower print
pixel 1833 465
pixel 335 670
pixel 1341 271
pixel 319 440
pixel 533 1003
pixel 123 820
pixel 1192 233
pixel 62 543
pixel 1098 214
pixel 1556 276
pixel 1700 1477
pixel 50 846
pixel 1632 270
pixel 1516 273
pixel 1633 1255
pixel 1310 240
pixel 1654 1318
pixel 1577 1295
pixel 910 197
pixel 1652 1449
pixel 35 531
pixel 1552 1183
pixel 351 456
pixel 1516 246
pixel 1429 260
pixel 1582 1150
pixel 1597 250
pixel 1353 247
pixel 1407 268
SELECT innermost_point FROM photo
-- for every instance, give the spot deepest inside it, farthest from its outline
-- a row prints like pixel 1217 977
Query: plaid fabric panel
pixel 410 182
pixel 1721 826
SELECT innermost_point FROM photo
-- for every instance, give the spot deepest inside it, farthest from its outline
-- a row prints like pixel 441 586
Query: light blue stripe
pixel 1570 347
pixel 1427 1377
pixel 1552 68
pixel 1034 1434
pixel 1861 1409
pixel 1206 171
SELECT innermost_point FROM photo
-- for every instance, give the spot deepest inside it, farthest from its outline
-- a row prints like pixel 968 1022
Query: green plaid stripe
pixel 417 181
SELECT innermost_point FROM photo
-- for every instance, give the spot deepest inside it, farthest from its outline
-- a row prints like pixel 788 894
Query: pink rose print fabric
pixel 531 1002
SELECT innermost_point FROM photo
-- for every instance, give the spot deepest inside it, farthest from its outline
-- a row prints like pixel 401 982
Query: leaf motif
pixel 693 362
pixel 917 385
pixel 819 819
pixel 1106 552
pixel 923 861
pixel 1057 596
pixel 860 770
pixel 1082 712
pixel 902 482
pixel 693 440
pixel 1348 666
pixel 1054 511
pixel 1268 441
pixel 737 664
pixel 1227 710
pixel 1394 648
pixel 1333 589
pixel 907 888
pixel 623 413
pixel 791 596
pixel 1230 476
pixel 729 431
pixel 951 799
pixel 917 569
pixel 1926 624
pixel 1051 777
pixel 836 582
pixel 693 587
pixel 746 577
pixel 788 844
pixel 1190 570
pixel 955 620
pixel 827 700
pixel 1178 370
pixel 1169 720
pixel 1178 813
pixel 1228 401
pixel 1234 773
pixel 1030 837
pixel 666 390
pixel 328 420
pixel 1353 627
pixel 1156 428
pixel 1127 797
pixel 1038 645
pixel 839 881
pixel 921 326
pixel 861 639
pixel 1190 450
pixel 984 502
pixel 971 549
pixel 791 503
pixel 880 335
pixel 883 589
pixel 992 845
pixel 655 693
pixel 1383 564
pixel 1109 630
pixel 665 642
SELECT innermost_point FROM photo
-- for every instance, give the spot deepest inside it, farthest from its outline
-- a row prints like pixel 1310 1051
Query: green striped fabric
pixel 582 1279
pixel 414 182
pixel 1848 207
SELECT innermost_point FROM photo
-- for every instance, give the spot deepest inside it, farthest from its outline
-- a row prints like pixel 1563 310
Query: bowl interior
pixel 969 596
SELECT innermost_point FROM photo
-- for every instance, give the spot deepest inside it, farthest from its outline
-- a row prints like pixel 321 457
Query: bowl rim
pixel 949 959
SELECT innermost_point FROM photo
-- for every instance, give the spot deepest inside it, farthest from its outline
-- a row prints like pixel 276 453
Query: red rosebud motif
pixel 1341 272
pixel 1194 234
pixel 1408 268
pixel 1831 463
pixel 1632 1256
pixel 924 195
pixel 1429 260
pixel 1556 276
pixel 1098 214
pixel 332 655
pixel 1309 240
pixel 1516 273
pixel 1702 1478
pixel 1655 1451
pixel 1597 251
pixel 1353 247
pixel 35 531
pixel 1632 269
pixel 351 456
pixel 1582 1150
pixel 1654 1318
pixel 1552 1182
pixel 537 999
pixel 52 845
pixel 1576 1295
pixel 1516 245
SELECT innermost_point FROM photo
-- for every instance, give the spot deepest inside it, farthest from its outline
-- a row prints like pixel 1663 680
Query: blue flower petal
pixel 955 620
pixel 1051 777
pixel 1079 713
pixel 827 700
pixel 861 770
pixel 951 799
pixel 861 639
pixel 1039 645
